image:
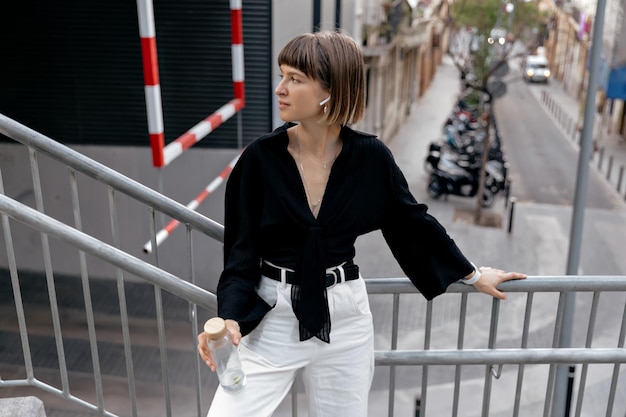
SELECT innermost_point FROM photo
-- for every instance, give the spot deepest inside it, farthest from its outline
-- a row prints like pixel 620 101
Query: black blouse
pixel 267 216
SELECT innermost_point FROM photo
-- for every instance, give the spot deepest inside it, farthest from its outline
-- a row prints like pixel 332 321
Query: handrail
pixel 121 259
pixel 500 356
pixel 100 172
pixel 542 283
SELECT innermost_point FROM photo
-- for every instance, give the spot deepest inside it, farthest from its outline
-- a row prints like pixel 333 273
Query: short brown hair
pixel 335 61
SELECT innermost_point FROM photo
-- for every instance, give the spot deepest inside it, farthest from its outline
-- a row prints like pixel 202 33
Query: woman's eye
pixel 295 80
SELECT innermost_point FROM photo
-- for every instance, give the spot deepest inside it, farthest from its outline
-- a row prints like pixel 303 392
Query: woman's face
pixel 298 96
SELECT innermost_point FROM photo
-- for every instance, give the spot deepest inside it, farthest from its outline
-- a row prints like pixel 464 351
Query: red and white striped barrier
pixel 152 86
pixel 174 149
pixel 162 155
pixel 172 225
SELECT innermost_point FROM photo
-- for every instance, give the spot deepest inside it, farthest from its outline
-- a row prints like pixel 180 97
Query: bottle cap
pixel 215 328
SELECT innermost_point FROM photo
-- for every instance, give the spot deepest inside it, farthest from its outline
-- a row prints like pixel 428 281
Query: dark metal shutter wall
pixel 72 70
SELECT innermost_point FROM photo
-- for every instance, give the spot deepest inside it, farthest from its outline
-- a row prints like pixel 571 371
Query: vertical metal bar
pixel 119 276
pixel 614 378
pixel 585 367
pixel 620 178
pixel 160 188
pixel 394 346
pixel 493 330
pixel 427 333
pixel 163 350
pixel 555 344
pixel 317 15
pixel 47 259
pixel 158 301
pixel 524 345
pixel 193 318
pixel 459 345
pixel 580 197
pixel 17 294
pixel 84 275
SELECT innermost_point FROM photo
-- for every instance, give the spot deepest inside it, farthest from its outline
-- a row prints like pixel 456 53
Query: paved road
pixel 544 162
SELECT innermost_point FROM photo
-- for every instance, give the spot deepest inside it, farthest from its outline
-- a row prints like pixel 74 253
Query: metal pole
pixel 513 200
pixel 337 14
pixel 317 15
pixel 580 196
pixel 570 389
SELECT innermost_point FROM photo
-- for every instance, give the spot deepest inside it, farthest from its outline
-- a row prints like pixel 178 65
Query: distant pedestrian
pixel 296 202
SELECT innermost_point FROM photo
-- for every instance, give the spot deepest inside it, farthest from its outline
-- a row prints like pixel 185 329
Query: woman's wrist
pixel 474 278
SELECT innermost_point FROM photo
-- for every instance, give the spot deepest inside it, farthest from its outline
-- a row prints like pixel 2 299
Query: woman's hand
pixel 203 346
pixel 490 278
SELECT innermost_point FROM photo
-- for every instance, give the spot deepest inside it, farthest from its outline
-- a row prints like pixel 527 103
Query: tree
pixel 486 34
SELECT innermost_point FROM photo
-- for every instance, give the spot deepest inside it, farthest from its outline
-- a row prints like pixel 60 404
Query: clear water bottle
pixel 225 355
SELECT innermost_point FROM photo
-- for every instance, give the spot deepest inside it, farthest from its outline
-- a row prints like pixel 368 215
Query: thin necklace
pixel 313 204
pixel 316 159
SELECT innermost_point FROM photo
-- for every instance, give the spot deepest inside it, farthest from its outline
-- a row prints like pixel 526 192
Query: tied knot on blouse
pixel 308 296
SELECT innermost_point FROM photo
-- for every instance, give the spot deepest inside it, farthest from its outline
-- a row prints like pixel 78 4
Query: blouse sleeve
pixel 424 250
pixel 236 295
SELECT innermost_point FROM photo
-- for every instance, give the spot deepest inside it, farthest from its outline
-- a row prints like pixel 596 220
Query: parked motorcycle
pixel 451 179
pixel 496 175
pixel 454 162
pixel 437 153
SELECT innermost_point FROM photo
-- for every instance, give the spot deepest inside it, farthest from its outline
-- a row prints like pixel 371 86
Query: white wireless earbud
pixel 326 100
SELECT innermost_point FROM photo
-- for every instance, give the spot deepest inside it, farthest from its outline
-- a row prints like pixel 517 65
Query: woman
pixel 296 202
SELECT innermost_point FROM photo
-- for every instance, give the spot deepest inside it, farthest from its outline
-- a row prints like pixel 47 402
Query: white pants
pixel 337 375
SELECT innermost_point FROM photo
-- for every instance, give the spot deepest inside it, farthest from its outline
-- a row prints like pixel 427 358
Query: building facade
pixel 568 48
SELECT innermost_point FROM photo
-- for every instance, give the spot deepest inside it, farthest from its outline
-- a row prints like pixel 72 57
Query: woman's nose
pixel 280 90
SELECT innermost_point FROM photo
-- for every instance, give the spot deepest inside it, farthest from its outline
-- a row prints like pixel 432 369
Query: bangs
pixel 335 61
pixel 305 54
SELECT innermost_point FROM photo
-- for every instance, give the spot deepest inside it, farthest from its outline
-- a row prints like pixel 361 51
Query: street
pixel 543 162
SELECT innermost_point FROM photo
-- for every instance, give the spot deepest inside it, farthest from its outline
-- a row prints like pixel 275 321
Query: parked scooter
pixel 454 162
pixel 496 175
pixel 438 153
pixel 451 179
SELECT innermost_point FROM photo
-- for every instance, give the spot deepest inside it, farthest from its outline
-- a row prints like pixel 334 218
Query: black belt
pixel 351 272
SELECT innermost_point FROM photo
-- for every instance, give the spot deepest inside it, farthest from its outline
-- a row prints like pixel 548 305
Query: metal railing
pixel 427 338
pixel 517 348
pixel 154 202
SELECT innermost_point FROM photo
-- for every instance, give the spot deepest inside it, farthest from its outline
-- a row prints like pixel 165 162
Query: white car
pixel 536 69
